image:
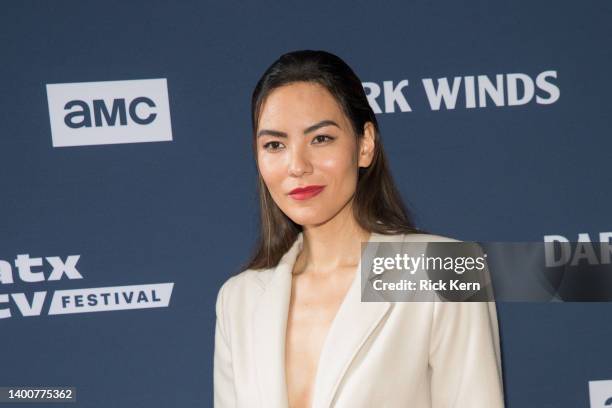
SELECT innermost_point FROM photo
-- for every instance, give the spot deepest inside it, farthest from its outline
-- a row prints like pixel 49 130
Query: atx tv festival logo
pixel 110 112
pixel 100 299
pixel 600 393
pixel 465 92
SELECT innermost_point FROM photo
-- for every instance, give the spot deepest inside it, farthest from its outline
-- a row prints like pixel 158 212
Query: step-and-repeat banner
pixel 128 186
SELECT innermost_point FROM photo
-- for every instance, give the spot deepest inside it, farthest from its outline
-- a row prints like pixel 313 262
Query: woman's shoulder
pixel 259 278
pixel 250 282
pixel 247 282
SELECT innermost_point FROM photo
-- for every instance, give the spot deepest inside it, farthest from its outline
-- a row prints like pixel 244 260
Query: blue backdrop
pixel 184 210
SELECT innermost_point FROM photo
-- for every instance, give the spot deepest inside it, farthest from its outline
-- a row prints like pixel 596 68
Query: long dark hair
pixel 377 205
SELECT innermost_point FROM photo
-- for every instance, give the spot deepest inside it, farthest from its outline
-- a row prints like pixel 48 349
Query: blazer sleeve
pixel 464 357
pixel 223 375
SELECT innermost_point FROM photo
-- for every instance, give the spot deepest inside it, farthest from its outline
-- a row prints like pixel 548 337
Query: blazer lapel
pixel 269 326
pixel 353 324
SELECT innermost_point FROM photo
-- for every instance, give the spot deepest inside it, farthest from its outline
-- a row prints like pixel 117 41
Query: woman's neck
pixel 331 246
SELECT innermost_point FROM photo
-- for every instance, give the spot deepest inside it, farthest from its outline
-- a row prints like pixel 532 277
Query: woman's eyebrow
pixel 269 132
pixel 309 129
pixel 320 125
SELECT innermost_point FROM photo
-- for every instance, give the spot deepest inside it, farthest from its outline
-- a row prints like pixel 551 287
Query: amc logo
pixel 95 113
pixel 600 393
pixel 81 116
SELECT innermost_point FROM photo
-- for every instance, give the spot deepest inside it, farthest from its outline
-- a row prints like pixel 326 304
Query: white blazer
pixel 375 355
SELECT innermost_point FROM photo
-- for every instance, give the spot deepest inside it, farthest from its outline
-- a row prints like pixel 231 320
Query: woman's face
pixel 308 154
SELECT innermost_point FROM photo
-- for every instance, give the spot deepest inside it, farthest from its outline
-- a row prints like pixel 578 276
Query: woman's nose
pixel 299 162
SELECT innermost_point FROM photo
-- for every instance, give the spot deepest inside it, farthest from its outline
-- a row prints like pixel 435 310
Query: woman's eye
pixel 322 139
pixel 272 146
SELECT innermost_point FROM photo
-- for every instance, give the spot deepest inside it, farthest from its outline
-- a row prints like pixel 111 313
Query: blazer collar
pixel 352 325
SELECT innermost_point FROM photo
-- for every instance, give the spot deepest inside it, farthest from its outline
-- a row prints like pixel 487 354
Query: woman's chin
pixel 307 219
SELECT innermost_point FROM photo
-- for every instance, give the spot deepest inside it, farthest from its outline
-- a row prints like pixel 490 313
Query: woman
pixel 291 329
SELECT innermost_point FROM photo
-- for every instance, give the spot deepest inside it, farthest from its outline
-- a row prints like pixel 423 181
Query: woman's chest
pixel 312 309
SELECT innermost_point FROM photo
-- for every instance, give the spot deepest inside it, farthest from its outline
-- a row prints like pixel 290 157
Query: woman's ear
pixel 367 144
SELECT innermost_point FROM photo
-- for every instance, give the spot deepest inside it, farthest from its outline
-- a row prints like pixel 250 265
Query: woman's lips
pixel 305 193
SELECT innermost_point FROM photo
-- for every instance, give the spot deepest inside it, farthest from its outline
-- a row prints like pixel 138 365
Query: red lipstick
pixel 304 193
